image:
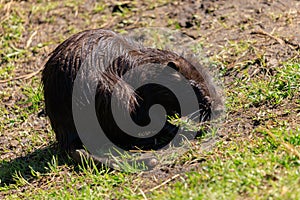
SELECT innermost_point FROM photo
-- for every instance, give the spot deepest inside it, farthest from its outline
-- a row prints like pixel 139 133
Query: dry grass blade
pixel 261 32
pixel 288 147
pixel 143 194
pixel 30 39
pixel 25 76
pixel 164 183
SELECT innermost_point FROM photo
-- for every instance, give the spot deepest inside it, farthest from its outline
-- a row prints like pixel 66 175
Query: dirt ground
pixel 244 38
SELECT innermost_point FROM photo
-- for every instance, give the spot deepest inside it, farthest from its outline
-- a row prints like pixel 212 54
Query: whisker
pixel 193 114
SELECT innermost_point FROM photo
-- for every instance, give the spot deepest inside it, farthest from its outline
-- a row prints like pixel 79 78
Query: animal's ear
pixel 172 65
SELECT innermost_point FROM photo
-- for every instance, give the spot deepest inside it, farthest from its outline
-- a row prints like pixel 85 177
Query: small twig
pixel 143 194
pixel 30 39
pixel 164 183
pixel 287 146
pixel 261 32
pixel 133 25
pixel 26 76
pixel 297 46
pixel 108 23
pixel 119 3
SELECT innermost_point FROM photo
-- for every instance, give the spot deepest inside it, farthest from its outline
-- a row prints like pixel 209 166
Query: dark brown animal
pixel 62 67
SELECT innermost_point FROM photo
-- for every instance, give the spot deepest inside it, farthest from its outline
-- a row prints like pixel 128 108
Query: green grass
pixel 256 169
pixel 269 91
pixel 13 29
pixel 244 168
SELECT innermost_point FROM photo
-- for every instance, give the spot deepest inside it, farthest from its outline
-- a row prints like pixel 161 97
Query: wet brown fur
pixel 61 69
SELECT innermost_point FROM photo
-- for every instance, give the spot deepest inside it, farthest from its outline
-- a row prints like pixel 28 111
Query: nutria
pixel 61 69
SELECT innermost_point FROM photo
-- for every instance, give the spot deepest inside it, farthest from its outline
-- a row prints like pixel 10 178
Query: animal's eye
pixel 172 65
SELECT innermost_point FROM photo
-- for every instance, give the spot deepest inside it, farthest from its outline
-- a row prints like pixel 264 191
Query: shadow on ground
pixel 26 168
